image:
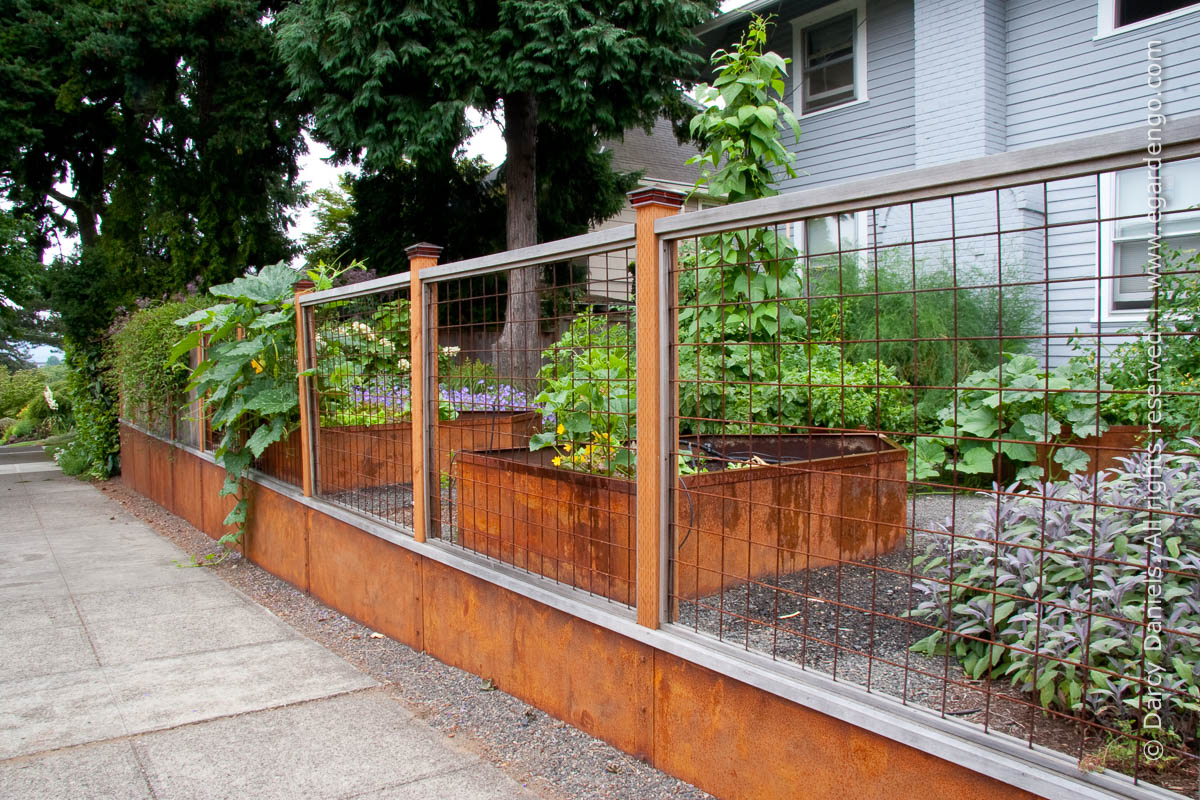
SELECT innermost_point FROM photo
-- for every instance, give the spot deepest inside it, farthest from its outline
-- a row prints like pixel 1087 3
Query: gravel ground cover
pixel 552 758
pixel 822 618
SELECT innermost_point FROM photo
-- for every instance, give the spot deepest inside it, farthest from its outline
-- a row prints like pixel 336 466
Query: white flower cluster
pixel 50 401
pixel 405 365
pixel 451 350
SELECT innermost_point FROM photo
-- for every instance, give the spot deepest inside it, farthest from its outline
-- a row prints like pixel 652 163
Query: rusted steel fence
pixel 932 437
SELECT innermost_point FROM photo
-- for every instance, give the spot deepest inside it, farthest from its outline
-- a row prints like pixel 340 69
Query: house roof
pixel 730 17
pixel 658 155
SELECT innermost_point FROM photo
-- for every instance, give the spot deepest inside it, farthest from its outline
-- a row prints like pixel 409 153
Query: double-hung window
pixel 830 57
pixel 1129 236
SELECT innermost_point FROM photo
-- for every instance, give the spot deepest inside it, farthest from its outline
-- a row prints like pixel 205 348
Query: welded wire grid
pixel 534 455
pixel 891 467
pixel 363 384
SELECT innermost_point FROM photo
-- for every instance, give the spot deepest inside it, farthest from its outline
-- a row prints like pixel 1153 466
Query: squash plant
pixel 249 374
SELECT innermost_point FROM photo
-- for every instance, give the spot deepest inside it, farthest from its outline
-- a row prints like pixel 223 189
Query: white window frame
pixel 1108 259
pixel 1106 18
pixel 860 53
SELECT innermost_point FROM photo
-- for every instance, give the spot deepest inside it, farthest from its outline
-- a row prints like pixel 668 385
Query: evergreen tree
pixel 394 81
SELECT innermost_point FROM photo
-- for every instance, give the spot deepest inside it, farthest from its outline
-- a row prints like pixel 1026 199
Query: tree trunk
pixel 518 351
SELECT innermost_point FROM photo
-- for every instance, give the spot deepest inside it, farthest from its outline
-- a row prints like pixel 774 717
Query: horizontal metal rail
pixel 589 244
pixel 1102 153
pixel 398 281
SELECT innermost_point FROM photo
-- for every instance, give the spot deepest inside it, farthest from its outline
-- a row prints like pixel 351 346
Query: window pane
pixel 1132 284
pixel 1130 11
pixel 822 234
pixel 828 67
pixel 1180 189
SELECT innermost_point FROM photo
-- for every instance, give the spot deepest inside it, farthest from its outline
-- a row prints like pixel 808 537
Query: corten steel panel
pixel 569 526
pixel 366 578
pixel 189 499
pixel 363 456
pixel 739 524
pixel 159 472
pixel 594 679
pixel 732 525
pixel 1103 451
pixel 135 472
pixel 741 743
pixel 216 508
pixel 276 535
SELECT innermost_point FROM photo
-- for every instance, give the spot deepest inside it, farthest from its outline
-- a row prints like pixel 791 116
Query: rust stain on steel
pixel 570 526
pixel 1119 441
pixel 276 535
pixel 366 578
pixel 363 456
pixel 741 743
pixel 594 679
pixel 731 525
pixel 187 482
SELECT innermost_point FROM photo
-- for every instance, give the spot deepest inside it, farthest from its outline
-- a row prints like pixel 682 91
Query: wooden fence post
pixel 420 256
pixel 302 288
pixel 653 451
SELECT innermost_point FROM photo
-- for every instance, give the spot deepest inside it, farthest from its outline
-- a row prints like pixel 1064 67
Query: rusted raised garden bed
pixel 834 497
pixel 1103 451
pixel 365 456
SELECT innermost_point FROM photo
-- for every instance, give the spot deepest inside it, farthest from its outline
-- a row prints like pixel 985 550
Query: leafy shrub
pixel 1022 405
pixel 1016 613
pixel 1173 357
pixel 138 358
pixel 72 459
pixel 249 373
pixel 18 388
pixel 97 429
pixel 877 306
pixel 739 388
pixel 589 390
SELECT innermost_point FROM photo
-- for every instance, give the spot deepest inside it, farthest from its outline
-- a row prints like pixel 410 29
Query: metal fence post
pixel 420 256
pixel 653 340
pixel 303 287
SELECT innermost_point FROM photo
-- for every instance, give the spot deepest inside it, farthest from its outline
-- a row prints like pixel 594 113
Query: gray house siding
pixel 1062 83
pixel 863 140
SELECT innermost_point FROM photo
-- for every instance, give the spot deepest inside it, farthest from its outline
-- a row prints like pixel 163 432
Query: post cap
pixel 654 195
pixel 303 285
pixel 423 250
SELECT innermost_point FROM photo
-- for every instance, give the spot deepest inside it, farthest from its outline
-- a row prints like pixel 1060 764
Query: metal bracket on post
pixel 302 288
pixel 420 256
pixel 654 449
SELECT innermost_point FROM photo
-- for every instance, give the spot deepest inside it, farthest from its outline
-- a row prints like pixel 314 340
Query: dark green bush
pixel 137 358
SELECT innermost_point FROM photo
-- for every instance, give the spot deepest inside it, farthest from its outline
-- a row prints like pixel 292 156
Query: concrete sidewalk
pixel 125 676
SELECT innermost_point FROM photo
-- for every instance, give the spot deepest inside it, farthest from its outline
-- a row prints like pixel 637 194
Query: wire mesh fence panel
pixel 943 450
pixel 534 445
pixel 363 387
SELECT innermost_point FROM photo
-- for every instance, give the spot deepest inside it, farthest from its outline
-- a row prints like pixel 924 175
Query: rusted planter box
pixel 1119 441
pixel 837 497
pixel 364 456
